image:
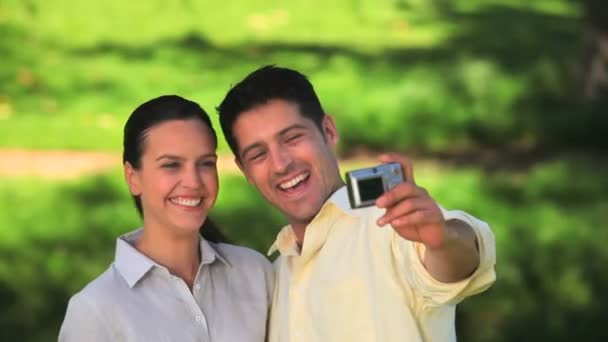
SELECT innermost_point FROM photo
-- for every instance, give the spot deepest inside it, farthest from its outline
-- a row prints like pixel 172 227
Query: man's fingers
pixel 401 209
pixel 418 217
pixel 399 193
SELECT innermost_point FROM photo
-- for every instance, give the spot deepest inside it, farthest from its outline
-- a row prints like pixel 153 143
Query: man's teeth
pixel 188 202
pixel 293 182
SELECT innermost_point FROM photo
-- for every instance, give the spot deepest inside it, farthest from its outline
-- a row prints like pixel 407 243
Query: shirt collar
pixel 340 200
pixel 286 242
pixel 134 265
pixel 209 253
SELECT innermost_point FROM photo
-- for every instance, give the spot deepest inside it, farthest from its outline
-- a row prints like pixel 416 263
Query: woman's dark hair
pixel 154 112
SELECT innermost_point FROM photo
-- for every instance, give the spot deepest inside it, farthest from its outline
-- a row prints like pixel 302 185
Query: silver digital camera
pixel 366 185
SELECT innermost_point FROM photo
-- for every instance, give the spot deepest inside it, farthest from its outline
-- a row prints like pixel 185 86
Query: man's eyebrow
pixel 250 148
pixel 168 156
pixel 291 128
pixel 281 133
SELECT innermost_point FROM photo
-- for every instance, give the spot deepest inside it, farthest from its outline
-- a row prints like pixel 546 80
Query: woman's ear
pixel 132 179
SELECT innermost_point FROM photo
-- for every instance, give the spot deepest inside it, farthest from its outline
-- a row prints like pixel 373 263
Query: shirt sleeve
pixel 431 292
pixel 83 322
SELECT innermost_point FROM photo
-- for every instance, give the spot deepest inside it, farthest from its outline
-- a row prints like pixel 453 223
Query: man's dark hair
pixel 263 85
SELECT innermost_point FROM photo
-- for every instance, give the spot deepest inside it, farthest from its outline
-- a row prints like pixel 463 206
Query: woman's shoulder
pixel 235 252
pixel 250 266
pixel 101 289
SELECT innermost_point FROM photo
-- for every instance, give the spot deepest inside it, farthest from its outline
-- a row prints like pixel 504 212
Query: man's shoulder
pixel 361 223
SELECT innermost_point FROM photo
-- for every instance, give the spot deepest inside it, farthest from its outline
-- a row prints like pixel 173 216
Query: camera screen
pixel 371 188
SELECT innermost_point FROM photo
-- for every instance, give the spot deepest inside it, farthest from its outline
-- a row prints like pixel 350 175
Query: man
pixel 390 272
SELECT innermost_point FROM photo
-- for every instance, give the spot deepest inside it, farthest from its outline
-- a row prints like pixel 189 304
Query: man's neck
pixel 299 230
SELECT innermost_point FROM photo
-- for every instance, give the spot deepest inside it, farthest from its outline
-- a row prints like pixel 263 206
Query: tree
pixel 593 65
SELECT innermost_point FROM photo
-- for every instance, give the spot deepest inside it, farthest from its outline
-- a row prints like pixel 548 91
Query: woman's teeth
pixel 188 202
pixel 293 182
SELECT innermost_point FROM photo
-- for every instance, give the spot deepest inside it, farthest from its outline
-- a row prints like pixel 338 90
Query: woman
pixel 167 283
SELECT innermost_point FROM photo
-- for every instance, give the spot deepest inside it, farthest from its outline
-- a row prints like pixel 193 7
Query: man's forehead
pixel 269 118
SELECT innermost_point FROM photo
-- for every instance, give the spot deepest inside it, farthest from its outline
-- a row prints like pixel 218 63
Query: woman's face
pixel 177 181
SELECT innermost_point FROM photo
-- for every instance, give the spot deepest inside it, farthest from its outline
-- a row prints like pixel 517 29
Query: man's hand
pixel 451 247
pixel 410 209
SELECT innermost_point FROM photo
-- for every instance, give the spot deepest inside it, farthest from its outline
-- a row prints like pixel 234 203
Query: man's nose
pixel 281 160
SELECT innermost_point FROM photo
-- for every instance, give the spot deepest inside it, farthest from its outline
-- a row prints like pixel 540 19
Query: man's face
pixel 287 158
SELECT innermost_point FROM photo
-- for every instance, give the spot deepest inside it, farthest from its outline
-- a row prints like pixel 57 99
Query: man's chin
pixel 301 217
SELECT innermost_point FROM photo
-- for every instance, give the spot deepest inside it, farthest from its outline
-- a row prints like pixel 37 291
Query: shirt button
pixel 197 287
pixel 198 318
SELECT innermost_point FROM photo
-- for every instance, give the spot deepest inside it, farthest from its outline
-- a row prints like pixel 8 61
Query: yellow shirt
pixel 354 281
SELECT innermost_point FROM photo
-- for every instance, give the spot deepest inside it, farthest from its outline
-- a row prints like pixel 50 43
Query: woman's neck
pixel 179 254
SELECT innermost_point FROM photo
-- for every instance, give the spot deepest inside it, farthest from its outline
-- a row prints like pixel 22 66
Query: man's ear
pixel 329 130
pixel 132 179
pixel 238 163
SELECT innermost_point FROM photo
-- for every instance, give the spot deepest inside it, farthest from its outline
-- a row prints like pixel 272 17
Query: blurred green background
pixel 502 103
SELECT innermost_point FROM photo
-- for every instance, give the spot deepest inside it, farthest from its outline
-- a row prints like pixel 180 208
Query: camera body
pixel 366 185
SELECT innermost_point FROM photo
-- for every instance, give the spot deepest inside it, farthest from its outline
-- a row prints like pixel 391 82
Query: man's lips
pixel 293 182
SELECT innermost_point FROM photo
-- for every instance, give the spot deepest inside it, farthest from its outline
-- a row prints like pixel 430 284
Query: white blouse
pixel 136 299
